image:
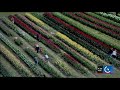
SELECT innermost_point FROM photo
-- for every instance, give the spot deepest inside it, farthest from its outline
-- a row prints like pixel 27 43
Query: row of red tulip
pixel 33 32
pixel 96 26
pixel 77 30
pixel 105 24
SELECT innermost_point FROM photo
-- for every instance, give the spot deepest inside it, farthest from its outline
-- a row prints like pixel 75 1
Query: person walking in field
pixel 110 52
pixel 114 53
pixel 46 57
pixel 37 48
pixel 36 60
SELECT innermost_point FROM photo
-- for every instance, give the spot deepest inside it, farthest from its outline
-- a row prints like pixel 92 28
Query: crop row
pixel 43 32
pixel 83 43
pixel 44 40
pixel 64 47
pixel 62 66
pixel 93 25
pixel 109 16
pixel 18 30
pixel 101 36
pixel 15 62
pixel 84 36
pixel 21 55
pixel 57 63
pixel 42 63
pixel 5 29
pixel 103 19
pixel 98 21
pixel 4 72
pixel 82 50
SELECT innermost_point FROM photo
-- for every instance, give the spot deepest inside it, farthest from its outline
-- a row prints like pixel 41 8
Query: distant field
pixel 9 13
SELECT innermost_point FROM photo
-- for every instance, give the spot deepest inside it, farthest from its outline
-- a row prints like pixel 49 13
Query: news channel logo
pixel 105 69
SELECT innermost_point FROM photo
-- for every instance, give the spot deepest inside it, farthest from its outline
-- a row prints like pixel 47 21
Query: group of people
pixel 39 49
pixel 113 52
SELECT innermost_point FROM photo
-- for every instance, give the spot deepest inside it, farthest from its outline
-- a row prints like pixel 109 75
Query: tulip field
pixel 76 43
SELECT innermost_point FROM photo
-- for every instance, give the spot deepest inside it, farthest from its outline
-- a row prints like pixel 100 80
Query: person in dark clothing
pixel 37 48
pixel 36 60
pixel 110 52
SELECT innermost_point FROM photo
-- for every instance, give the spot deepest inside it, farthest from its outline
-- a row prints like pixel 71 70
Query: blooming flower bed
pixel 98 21
pixel 83 43
pixel 15 62
pixel 20 55
pixel 93 25
pixel 48 42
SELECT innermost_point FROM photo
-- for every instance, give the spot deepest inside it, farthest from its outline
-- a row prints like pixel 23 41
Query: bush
pixel 18 42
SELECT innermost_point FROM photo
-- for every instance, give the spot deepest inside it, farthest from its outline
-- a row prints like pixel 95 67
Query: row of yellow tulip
pixel 34 18
pixel 59 64
pixel 96 59
pixel 17 64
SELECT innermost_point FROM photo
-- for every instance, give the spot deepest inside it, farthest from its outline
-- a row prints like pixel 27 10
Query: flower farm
pixel 76 43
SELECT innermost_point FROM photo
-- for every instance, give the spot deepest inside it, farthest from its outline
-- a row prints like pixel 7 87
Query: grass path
pixel 19 66
pixel 27 59
pixel 25 44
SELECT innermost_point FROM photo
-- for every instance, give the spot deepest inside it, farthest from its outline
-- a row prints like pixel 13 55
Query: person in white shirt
pixel 114 53
pixel 46 57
